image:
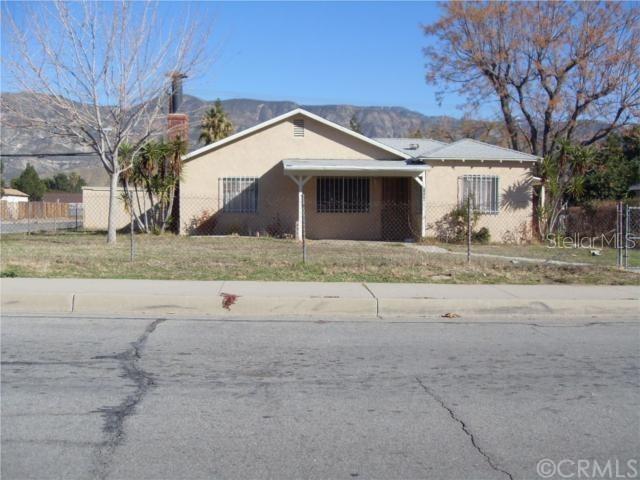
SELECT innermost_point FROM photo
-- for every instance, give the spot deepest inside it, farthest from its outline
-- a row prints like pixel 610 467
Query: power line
pixel 41 155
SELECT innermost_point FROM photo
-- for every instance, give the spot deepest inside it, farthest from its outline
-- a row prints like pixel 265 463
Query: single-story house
pixel 13 195
pixel 349 186
pixel 13 204
pixel 62 197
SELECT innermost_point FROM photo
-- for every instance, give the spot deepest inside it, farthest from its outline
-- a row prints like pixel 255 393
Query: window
pixel 239 194
pixel 298 127
pixel 342 195
pixel 483 190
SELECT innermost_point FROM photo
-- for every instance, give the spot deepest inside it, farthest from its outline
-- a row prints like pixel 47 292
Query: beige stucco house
pixel 299 171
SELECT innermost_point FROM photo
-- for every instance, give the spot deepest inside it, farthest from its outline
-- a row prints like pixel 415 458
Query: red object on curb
pixel 228 299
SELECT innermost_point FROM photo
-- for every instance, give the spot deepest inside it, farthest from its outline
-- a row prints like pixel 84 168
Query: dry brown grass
pixel 81 255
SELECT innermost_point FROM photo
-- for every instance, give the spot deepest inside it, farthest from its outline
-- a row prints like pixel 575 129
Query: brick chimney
pixel 177 123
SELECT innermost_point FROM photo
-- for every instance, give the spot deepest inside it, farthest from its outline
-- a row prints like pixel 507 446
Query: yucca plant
pixel 152 180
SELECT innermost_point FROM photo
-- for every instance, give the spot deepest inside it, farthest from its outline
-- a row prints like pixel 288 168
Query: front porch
pixel 359 199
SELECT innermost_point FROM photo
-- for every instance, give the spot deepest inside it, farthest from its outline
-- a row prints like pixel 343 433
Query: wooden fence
pixel 35 210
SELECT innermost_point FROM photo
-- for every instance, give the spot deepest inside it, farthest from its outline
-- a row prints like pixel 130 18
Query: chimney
pixel 178 123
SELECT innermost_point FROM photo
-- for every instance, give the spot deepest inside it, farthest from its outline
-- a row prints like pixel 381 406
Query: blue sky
pixel 361 53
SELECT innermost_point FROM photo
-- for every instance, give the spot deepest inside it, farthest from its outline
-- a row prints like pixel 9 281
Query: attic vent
pixel 413 146
pixel 298 127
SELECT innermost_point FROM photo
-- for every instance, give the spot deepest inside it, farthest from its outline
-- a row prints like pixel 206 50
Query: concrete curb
pixel 36 303
pixel 213 305
pixel 203 306
pixel 497 307
pixel 226 299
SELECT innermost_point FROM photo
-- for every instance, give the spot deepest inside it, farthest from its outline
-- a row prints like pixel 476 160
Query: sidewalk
pixel 224 298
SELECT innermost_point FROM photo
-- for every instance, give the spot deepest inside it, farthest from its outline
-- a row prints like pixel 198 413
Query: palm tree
pixel 215 124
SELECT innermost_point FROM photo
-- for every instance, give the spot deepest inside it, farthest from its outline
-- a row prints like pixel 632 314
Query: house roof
pixel 292 113
pixel 324 167
pixel 62 197
pixel 12 192
pixel 469 149
pixel 416 147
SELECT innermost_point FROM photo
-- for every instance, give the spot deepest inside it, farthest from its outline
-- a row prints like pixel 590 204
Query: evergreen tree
pixel 30 183
pixel 616 167
pixel 215 124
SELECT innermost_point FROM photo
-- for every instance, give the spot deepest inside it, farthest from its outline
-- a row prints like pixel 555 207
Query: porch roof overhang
pixel 354 168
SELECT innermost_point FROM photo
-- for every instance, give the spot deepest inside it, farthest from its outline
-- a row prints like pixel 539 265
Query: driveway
pixel 156 398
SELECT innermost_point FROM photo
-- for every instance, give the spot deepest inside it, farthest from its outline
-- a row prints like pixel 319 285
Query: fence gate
pixel 631 239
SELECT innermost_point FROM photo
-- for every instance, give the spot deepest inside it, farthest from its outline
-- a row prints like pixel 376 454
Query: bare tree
pixel 99 73
pixel 549 66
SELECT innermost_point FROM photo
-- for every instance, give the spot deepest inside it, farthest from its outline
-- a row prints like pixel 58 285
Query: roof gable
pixel 286 116
pixel 469 149
pixel 12 192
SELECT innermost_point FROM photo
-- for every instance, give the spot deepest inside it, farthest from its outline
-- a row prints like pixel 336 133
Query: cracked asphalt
pixel 177 398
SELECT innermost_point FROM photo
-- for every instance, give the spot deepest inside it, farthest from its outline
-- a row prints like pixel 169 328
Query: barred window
pixel 342 195
pixel 484 192
pixel 239 194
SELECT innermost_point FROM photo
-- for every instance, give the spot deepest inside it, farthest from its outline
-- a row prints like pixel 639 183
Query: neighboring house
pixel 95 209
pixel 12 195
pixel 635 189
pixel 354 187
pixel 13 204
pixel 62 197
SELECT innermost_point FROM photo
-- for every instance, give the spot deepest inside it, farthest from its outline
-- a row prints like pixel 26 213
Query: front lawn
pixel 606 257
pixel 86 255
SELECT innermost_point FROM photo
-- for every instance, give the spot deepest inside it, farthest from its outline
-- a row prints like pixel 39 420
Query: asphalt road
pixel 118 398
pixel 22 227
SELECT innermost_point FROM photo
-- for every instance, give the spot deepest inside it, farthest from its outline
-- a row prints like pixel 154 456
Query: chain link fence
pixel 356 233
pixel 33 217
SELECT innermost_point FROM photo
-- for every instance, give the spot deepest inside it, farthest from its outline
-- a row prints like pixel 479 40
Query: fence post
pixel 76 209
pixel 469 229
pixel 55 216
pixel 626 237
pixel 132 246
pixel 28 218
pixel 619 234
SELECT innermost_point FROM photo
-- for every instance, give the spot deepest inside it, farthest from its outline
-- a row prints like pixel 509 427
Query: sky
pixel 360 53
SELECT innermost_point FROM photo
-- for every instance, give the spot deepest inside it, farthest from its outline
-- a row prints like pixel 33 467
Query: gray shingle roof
pixel 465 149
pixel 468 149
pixel 416 147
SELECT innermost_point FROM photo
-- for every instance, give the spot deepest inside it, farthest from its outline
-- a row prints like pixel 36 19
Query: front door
pixel 395 209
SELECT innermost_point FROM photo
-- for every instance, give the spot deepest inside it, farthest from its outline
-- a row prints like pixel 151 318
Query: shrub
pixel 481 236
pixel 275 228
pixel 452 227
pixel 203 224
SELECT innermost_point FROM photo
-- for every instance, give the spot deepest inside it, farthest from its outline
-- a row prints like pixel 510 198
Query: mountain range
pixel 374 122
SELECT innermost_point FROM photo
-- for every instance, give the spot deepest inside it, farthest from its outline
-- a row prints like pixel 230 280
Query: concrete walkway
pixel 547 261
pixel 221 298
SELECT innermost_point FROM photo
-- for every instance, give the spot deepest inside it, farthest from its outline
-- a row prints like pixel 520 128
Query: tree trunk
pixel 113 199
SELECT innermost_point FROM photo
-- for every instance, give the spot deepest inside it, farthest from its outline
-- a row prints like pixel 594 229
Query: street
pixel 39 226
pixel 180 398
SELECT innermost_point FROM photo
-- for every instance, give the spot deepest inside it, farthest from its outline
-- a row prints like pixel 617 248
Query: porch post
pixel 423 217
pixel 300 181
pixel 422 181
pixel 300 212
